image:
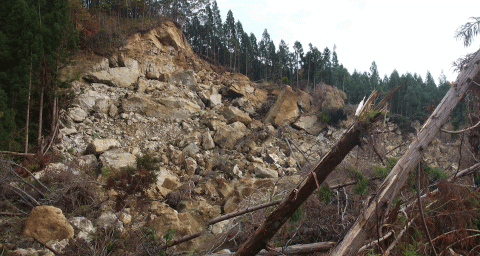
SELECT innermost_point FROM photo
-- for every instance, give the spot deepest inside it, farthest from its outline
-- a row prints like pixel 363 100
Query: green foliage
pixel 148 161
pixel 383 172
pixel 362 181
pixel 169 235
pixel 133 181
pixel 296 216
pixel 402 122
pixel 325 116
pixel 434 173
pixel 325 193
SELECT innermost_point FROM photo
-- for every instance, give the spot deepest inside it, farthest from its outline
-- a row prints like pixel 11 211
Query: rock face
pixel 47 223
pixel 285 110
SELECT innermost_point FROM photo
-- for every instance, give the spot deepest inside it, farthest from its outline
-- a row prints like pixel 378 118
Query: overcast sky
pixel 409 36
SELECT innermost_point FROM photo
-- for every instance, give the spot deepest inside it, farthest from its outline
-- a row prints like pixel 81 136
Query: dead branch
pixel 419 200
pixel 9 168
pixel 241 212
pixel 30 173
pixel 215 220
pixel 400 234
pixel 16 153
pixel 461 131
pixel 458 241
pixel 351 183
pixel 11 214
pixel 359 232
pixel 375 242
pixel 351 138
pixel 291 152
pixel 46 246
pixel 299 150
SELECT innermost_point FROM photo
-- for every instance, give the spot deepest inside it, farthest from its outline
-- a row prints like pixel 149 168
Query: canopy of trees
pixel 228 44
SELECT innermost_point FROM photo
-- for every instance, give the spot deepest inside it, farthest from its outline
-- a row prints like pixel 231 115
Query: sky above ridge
pixel 409 36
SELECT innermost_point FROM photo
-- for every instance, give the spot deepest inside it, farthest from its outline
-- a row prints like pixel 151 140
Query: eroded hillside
pixel 218 142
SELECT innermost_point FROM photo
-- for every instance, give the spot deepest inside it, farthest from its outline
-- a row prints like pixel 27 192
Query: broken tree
pixel 318 173
pixel 378 204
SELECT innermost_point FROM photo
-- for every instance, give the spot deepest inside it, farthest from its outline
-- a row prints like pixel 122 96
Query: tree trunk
pixel 317 174
pixel 40 119
pixel 28 106
pixel 365 224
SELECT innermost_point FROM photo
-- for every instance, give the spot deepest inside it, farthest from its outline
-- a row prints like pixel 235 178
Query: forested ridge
pixel 38 38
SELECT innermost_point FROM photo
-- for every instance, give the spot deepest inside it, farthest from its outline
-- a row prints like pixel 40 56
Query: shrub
pixel 383 172
pixel 362 181
pixel 134 181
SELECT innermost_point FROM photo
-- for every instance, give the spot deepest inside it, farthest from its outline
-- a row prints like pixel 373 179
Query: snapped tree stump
pixel 374 212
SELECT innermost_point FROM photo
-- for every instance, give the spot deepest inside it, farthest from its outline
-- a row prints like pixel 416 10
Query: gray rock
pixel 227 136
pixel 305 122
pixel 233 114
pixel 102 105
pixel 82 224
pixel 117 160
pixel 87 100
pixel 262 172
pixel 109 221
pixel 99 146
pixel 113 111
pixel 77 114
pixel 122 77
pixel 191 149
pixel 183 78
pixel 88 161
pixel 207 141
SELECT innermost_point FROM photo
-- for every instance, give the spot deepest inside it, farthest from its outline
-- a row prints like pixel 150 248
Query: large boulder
pixel 122 77
pixel 233 114
pixel 77 114
pixel 87 100
pixel 159 70
pixel 227 136
pixel 144 104
pixel 99 146
pixel 183 78
pixel 183 224
pixel 117 160
pixel 285 110
pixel 46 223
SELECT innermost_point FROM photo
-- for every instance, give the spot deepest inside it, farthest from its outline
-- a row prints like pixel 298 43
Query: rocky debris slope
pixel 218 150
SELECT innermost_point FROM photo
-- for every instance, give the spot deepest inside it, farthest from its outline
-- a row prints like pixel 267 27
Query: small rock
pixel 108 220
pixel 207 141
pixel 190 166
pixel 125 218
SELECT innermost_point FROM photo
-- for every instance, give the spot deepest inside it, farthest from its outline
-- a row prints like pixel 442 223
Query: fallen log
pixel 294 249
pixel 367 221
pixel 317 174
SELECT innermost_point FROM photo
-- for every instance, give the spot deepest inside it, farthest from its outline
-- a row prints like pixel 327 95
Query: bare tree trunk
pixel 40 120
pixel 364 226
pixel 317 174
pixel 28 106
